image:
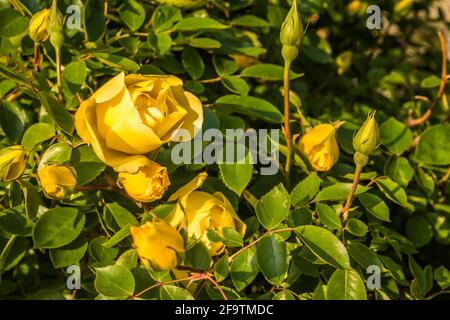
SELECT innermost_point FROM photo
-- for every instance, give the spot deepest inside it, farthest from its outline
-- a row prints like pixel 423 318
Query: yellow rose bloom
pixel 146 185
pixel 320 147
pixel 135 114
pixel 37 28
pixel 188 4
pixel 58 181
pixel 198 212
pixel 12 162
pixel 159 244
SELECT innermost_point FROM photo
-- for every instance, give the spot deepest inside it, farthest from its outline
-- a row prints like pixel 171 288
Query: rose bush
pixel 97 110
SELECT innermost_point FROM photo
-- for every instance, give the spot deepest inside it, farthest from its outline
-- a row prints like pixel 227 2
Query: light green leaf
pixel 338 191
pixel 37 133
pixel 268 72
pixel 328 216
pixel 325 245
pixel 194 24
pixel 346 285
pixel 70 253
pixel 114 281
pixel 433 147
pixel 375 206
pixel 132 13
pixel 272 256
pixel 305 190
pixel 244 268
pixel 169 292
pixel 273 207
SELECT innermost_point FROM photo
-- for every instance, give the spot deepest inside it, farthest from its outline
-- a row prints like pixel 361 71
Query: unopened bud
pixel 12 162
pixel 58 181
pixel 292 29
pixel 367 139
pixel 55 21
pixel 38 26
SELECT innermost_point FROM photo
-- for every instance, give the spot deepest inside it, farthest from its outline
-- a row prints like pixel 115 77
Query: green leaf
pixel 58 227
pixel 12 120
pixel 231 237
pixel 194 24
pixel 273 207
pixel 63 119
pixel 59 152
pixel 249 21
pixel 224 67
pixel 14 223
pixel 338 191
pixel 395 270
pixel 431 81
pixel 164 18
pixel 37 133
pixel 364 256
pixel 442 276
pixel 325 245
pixel 419 231
pixel 329 216
pixel 204 43
pixel 86 163
pixel 32 199
pixel 433 147
pixel 236 176
pixel 251 106
pixel 114 281
pixel 122 216
pixel 346 285
pixel 305 190
pixel 13 23
pixel 395 136
pixel 375 206
pixel 100 253
pixel 244 268
pixel 399 170
pixel 221 268
pixel 116 61
pixel 70 253
pixel 74 75
pixel 94 19
pixel 13 251
pixel 118 236
pixel 198 257
pixel 169 292
pixel 193 63
pixel 268 72
pixel 236 85
pixel 133 14
pixel 356 227
pixel 394 192
pixel 272 256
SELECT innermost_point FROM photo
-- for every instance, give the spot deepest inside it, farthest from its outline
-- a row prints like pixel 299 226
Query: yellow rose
pixel 12 162
pixel 58 181
pixel 320 147
pixel 135 114
pixel 159 244
pixel 38 26
pixel 146 185
pixel 198 212
pixel 188 4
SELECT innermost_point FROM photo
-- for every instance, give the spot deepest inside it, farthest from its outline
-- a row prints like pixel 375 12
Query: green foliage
pixel 297 243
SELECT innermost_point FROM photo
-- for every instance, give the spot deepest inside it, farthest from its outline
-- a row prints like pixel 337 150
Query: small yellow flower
pixel 320 147
pixel 159 244
pixel 58 181
pixel 38 26
pixel 188 4
pixel 132 115
pixel 146 185
pixel 198 212
pixel 12 162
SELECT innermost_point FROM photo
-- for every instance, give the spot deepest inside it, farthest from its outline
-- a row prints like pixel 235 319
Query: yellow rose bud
pixel 291 33
pixel 367 139
pixel 188 4
pixel 55 20
pixel 146 185
pixel 38 26
pixel 320 147
pixel 132 115
pixel 198 212
pixel 12 162
pixel 58 181
pixel 159 244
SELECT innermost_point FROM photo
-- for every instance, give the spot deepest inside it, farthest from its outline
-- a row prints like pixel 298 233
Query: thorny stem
pixel 287 124
pixel 414 122
pixel 348 203
pixel 257 240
